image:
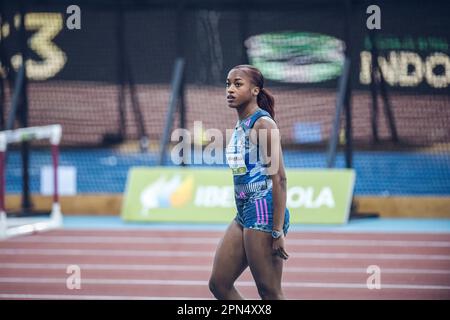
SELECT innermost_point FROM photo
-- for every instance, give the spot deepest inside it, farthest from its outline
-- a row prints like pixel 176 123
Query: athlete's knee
pixel 217 288
pixel 213 286
pixel 269 292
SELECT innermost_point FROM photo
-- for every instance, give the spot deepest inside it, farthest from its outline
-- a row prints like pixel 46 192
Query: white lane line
pixel 166 253
pixel 200 240
pixel 106 252
pixel 201 268
pixel 180 282
pixel 89 297
pixel 219 230
pixel 111 267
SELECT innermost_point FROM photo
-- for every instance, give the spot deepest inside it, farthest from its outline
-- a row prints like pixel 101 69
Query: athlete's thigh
pixel 230 259
pixel 266 267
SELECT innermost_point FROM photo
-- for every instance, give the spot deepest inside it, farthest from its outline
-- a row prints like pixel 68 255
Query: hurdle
pixel 10 227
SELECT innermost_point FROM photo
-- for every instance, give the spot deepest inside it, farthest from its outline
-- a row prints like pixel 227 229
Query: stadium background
pixel 109 83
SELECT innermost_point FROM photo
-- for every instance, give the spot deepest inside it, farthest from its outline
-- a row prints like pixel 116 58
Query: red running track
pixel 149 264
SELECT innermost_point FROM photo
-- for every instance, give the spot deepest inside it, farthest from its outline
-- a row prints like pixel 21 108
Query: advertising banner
pixel 207 195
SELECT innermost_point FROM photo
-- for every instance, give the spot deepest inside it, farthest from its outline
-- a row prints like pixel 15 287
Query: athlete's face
pixel 240 90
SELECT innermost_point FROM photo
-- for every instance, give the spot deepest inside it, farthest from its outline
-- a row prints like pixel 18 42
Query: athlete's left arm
pixel 269 140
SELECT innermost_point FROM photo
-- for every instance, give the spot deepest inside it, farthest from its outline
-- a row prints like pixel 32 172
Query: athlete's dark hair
pixel 264 99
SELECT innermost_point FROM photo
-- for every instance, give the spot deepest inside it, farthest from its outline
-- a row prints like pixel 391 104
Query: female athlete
pixel 256 237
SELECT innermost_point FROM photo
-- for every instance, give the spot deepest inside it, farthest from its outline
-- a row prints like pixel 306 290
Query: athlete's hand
pixel 278 248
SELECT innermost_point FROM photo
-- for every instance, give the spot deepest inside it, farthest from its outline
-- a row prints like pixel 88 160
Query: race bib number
pixel 235 153
pixel 237 163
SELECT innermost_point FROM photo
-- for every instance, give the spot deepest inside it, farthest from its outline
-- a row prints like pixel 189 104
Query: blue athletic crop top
pixel 243 156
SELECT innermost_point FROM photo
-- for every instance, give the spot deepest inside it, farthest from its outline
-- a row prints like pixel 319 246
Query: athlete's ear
pixel 255 91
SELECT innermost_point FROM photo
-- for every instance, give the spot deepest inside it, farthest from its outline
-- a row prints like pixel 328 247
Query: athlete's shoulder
pixel 265 122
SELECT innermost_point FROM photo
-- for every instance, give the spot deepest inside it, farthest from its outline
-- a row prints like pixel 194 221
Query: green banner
pixel 206 195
